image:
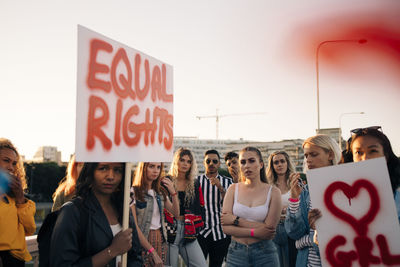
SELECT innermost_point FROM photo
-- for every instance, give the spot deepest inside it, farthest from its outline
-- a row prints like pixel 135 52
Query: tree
pixel 43 179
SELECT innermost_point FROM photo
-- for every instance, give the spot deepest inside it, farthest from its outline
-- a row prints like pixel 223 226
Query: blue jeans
pixel 281 243
pixel 191 252
pixel 283 254
pixel 261 254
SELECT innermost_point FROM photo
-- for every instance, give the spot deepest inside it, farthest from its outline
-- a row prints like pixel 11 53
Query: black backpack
pixel 46 230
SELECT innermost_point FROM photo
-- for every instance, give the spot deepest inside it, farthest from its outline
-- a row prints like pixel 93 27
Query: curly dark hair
pixel 85 182
pixel 231 155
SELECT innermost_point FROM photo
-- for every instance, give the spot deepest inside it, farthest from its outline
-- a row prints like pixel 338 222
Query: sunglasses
pixel 365 130
pixel 208 161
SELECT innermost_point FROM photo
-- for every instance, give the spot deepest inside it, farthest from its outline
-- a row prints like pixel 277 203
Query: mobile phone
pixel 4 182
pixel 303 179
pixel 163 185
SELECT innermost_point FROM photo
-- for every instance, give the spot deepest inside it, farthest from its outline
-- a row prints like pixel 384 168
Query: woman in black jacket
pixel 98 239
pixel 182 240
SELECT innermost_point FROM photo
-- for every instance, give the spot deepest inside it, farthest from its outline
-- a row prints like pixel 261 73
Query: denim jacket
pixel 297 226
pixel 144 212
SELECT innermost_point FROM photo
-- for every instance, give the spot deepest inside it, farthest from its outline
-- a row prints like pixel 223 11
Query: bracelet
pixel 252 232
pixel 109 252
pixel 150 250
pixel 174 194
pixel 293 199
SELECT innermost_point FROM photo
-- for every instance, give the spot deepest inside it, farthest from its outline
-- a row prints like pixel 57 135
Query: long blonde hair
pixel 327 144
pixel 139 185
pixel 68 183
pixel 190 174
pixel 272 177
pixel 19 170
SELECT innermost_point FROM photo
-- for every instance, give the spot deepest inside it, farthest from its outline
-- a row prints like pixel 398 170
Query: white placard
pixel 359 224
pixel 124 110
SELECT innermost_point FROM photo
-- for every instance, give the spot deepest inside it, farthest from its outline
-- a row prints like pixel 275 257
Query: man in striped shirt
pixel 212 239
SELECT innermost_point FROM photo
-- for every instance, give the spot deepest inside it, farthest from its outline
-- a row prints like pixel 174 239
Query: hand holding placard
pixel 359 225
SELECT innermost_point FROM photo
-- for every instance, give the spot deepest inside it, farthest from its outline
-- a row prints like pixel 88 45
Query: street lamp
pixel 340 124
pixel 360 41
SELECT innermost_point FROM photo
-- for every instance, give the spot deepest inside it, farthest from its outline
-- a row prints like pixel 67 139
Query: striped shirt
pixel 306 241
pixel 213 206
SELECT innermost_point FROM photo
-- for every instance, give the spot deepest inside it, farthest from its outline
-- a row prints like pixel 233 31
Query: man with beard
pixel 212 239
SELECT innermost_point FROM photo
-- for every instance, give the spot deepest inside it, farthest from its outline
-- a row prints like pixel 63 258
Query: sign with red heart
pixel 359 225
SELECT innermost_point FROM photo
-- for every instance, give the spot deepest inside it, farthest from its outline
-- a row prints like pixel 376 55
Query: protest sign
pixel 359 225
pixel 124 103
pixel 124 107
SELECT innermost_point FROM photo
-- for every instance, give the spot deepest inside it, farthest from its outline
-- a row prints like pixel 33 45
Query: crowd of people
pixel 261 215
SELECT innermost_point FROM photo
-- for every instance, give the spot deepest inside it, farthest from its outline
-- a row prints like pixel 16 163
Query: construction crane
pixel 218 116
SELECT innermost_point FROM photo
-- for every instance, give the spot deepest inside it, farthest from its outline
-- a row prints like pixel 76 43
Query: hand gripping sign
pixel 124 106
pixel 124 103
pixel 359 225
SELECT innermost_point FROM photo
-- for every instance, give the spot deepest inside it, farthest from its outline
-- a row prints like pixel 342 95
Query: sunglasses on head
pixel 365 130
pixel 208 161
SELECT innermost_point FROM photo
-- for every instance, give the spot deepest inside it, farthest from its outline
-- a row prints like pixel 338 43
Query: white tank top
pixel 155 218
pixel 254 214
pixel 285 199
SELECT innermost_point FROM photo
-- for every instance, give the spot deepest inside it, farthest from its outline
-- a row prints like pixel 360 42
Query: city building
pixel 47 154
pixel 199 146
pixel 334 133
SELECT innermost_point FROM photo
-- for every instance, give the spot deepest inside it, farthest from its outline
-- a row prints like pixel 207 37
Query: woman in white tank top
pixel 251 212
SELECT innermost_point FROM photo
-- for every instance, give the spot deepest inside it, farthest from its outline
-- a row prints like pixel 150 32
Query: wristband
pixel 293 199
pixel 174 194
pixel 252 232
pixel 150 250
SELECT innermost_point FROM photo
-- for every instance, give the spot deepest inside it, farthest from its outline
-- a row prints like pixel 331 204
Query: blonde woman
pixel 319 151
pixel 65 191
pixel 148 209
pixel 184 241
pixel 280 167
pixel 16 211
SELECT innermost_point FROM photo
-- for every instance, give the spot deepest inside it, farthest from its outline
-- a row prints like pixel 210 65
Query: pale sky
pixel 237 56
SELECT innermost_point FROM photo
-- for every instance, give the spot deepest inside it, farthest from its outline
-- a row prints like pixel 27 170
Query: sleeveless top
pixel 285 199
pixel 254 214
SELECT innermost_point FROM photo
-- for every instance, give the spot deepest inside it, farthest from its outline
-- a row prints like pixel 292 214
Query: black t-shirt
pixel 181 195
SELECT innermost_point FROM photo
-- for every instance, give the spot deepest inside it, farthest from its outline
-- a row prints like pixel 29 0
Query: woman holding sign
pixel 319 151
pixel 16 211
pixel 149 203
pixel 369 143
pixel 251 213
pixel 88 231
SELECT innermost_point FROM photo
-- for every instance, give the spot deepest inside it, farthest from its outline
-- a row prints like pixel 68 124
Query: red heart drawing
pixel 361 225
